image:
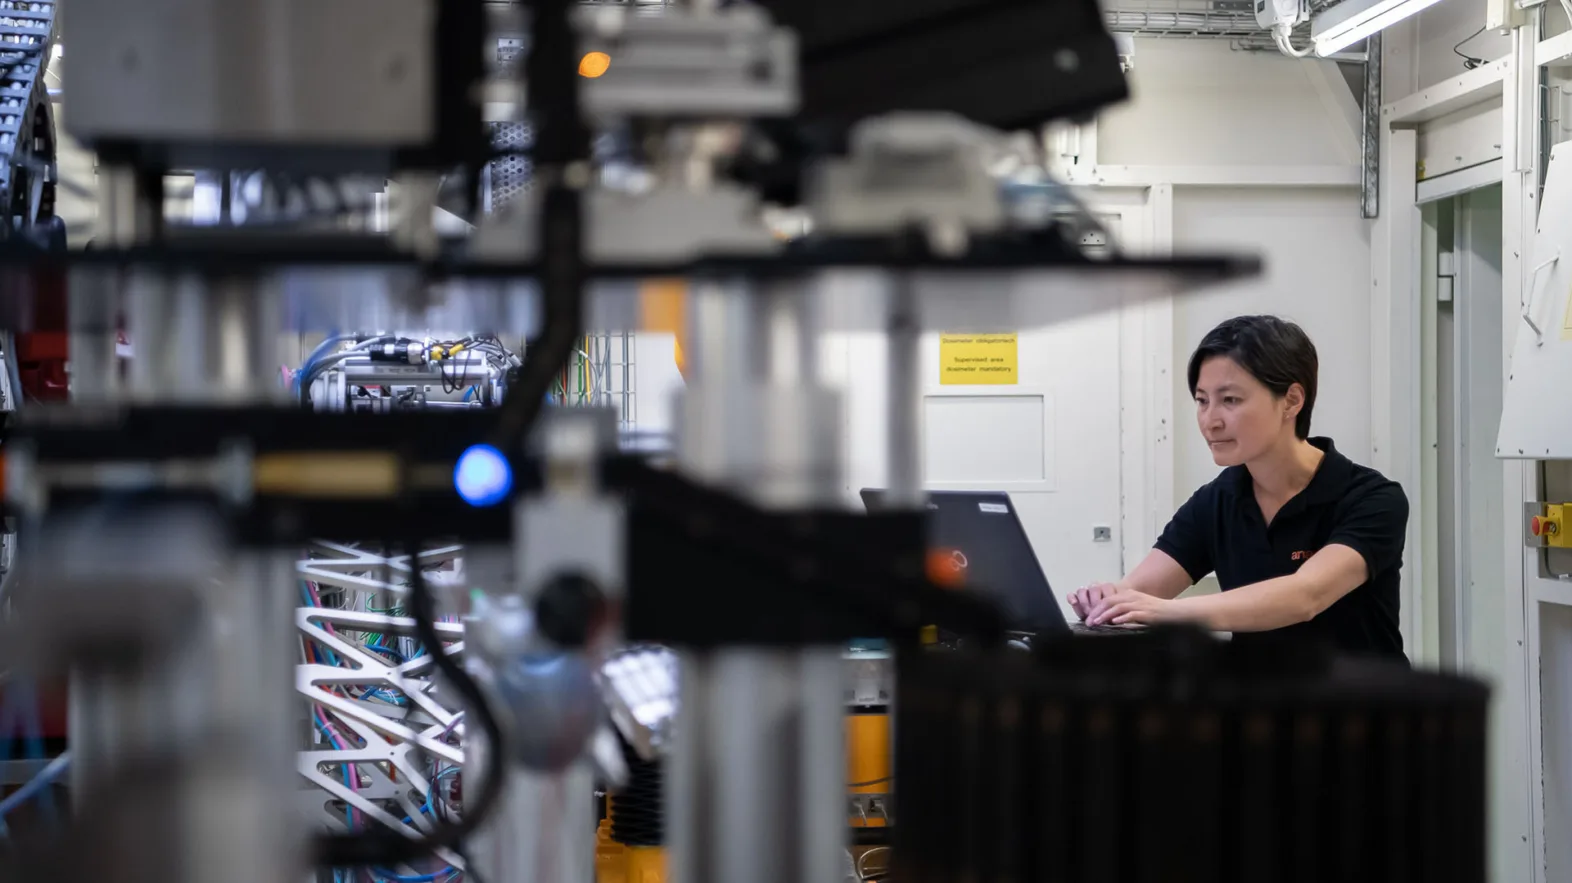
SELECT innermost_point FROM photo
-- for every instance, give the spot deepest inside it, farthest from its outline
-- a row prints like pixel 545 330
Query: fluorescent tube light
pixel 1353 20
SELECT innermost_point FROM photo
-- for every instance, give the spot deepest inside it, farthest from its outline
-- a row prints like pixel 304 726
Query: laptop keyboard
pixel 1081 628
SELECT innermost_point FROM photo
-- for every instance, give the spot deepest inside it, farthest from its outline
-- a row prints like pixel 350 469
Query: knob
pixel 1536 526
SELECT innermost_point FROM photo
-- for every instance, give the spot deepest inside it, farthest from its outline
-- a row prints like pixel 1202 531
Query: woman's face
pixel 1238 416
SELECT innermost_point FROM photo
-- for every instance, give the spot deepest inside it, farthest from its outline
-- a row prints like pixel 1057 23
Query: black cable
pixel 384 847
pixel 1469 61
pixel 562 142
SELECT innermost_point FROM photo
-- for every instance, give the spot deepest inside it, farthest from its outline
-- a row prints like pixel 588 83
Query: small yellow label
pixel 977 359
pixel 1566 319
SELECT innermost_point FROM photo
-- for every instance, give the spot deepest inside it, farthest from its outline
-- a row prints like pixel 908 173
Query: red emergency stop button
pixel 1542 527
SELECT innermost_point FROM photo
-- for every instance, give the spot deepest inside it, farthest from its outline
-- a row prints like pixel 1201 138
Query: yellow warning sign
pixel 977 359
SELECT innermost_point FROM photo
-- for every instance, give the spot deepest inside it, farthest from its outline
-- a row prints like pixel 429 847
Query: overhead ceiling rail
pixel 1222 24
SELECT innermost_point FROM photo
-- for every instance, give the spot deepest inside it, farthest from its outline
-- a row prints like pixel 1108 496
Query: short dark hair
pixel 1274 351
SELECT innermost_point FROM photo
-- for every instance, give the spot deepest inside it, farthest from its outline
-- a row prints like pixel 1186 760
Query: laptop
pixel 987 544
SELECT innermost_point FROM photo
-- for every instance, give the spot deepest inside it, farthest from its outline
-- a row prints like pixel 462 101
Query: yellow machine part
pixel 645 864
pixel 868 763
pixel 663 307
pixel 617 863
pixel 610 856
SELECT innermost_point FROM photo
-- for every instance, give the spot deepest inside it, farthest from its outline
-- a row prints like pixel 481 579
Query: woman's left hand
pixel 1128 607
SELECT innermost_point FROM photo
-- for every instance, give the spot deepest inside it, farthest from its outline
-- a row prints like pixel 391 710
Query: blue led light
pixel 483 476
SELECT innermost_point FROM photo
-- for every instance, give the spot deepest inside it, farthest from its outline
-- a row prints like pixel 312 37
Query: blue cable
pixel 423 878
pixel 322 349
pixel 349 811
pixel 445 874
pixel 21 700
pixel 305 596
pixel 39 785
pixel 388 650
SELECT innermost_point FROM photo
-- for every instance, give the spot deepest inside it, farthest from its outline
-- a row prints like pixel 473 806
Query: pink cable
pixel 354 774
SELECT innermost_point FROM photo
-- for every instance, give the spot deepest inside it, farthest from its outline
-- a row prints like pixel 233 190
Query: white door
pixel 1051 438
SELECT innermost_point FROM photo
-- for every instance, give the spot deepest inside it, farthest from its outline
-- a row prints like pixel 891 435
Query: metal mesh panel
pixel 510 175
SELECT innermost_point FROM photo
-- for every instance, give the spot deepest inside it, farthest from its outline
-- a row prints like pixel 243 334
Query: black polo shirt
pixel 1221 529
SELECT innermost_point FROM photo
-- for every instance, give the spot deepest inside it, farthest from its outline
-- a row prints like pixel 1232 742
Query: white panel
pixel 1535 420
pixel 986 439
pixel 1433 102
pixel 1317 254
pixel 656 380
pixel 1459 182
pixel 1461 139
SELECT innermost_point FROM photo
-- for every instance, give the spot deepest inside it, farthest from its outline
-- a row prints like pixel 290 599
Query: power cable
pixel 1469 61
pixel 562 144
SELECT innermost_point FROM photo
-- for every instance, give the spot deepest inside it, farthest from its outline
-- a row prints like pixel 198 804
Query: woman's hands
pixel 1085 599
pixel 1129 607
pixel 1110 604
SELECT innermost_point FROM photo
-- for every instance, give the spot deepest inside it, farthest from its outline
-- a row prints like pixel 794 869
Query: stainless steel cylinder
pixel 129 207
pixel 544 829
pixel 204 340
pixel 245 824
pixel 714 435
pixel 905 429
pixel 207 702
pixel 755 416
pixel 94 367
pixel 464 369
pixel 756 788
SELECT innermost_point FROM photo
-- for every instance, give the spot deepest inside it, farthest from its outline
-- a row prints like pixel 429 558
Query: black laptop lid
pixel 990 546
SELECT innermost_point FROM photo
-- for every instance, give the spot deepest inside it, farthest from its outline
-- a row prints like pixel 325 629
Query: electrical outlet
pixel 1102 533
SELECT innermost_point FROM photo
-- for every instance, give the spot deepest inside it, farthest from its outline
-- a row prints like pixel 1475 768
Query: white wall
pixel 1316 251
pixel 1202 103
pixel 1070 370
pixel 1441 27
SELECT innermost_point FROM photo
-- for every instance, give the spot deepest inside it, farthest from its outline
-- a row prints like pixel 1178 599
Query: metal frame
pixel 392 734
pixel 1224 176
pixel 1459 182
pixel 1146 352
pixel 1519 841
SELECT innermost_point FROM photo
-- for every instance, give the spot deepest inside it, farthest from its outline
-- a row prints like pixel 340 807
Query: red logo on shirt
pixel 1298 556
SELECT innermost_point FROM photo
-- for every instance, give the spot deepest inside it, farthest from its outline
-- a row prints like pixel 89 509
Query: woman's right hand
pixel 1085 599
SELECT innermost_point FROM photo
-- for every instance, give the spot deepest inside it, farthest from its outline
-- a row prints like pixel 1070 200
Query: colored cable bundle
pixel 377 848
pixel 312 596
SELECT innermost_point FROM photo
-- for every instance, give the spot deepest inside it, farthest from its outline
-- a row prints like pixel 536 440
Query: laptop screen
pixel 985 542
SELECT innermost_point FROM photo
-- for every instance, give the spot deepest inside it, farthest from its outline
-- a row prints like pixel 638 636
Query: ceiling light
pixel 1353 20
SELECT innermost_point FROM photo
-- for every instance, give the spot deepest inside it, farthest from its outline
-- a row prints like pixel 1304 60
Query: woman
pixel 1306 544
